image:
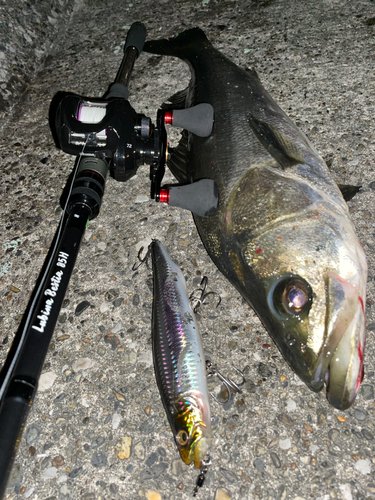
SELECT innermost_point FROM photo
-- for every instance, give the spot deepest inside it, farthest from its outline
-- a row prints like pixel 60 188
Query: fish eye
pixel 182 438
pixel 292 296
pixel 295 296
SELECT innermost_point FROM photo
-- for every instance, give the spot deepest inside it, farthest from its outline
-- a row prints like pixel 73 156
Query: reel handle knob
pixel 199 119
pixel 200 197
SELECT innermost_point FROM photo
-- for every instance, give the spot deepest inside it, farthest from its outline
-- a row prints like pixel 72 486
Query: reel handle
pixel 199 119
pixel 200 197
pixel 136 37
pixel 133 47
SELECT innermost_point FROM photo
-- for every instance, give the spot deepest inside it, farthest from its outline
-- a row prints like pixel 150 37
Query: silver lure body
pixel 179 359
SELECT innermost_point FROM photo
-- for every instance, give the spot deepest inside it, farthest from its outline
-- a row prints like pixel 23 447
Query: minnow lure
pixel 179 361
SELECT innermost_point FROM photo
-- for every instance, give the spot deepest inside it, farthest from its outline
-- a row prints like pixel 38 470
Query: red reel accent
pixel 164 195
pixel 168 118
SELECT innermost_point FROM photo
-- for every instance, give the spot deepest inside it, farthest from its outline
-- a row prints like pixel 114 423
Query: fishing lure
pixel 179 360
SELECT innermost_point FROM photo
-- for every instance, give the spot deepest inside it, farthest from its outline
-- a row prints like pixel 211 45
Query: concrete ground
pixel 97 428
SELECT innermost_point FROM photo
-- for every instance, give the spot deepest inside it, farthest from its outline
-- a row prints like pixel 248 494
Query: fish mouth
pixel 340 364
pixel 342 388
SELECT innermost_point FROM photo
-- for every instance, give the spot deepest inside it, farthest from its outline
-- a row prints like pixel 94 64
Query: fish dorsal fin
pixel 348 191
pixel 176 101
pixel 178 161
pixel 276 143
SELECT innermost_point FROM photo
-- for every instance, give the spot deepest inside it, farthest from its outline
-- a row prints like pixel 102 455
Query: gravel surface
pixel 27 31
pixel 97 428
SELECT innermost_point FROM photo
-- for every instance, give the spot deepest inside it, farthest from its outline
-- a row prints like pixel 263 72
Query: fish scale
pixel 282 233
pixel 179 360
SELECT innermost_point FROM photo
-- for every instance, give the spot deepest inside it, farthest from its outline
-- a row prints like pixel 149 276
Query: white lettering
pixel 44 314
pixel 41 330
pixel 62 259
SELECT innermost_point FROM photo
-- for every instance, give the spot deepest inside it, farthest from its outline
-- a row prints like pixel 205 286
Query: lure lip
pixel 196 449
pixel 193 418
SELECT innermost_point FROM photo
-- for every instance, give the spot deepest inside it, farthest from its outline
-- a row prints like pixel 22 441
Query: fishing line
pixel 41 284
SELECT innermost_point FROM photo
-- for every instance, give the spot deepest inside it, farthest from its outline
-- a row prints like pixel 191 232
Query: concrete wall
pixel 27 30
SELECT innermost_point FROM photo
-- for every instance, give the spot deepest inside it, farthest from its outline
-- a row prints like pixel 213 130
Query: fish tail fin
pixel 182 46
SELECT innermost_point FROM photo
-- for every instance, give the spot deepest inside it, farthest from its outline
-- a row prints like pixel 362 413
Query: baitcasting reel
pixel 110 130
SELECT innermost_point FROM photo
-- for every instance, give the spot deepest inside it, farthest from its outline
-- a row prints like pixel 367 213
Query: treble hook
pixel 229 384
pixel 206 462
pixel 198 301
pixel 141 260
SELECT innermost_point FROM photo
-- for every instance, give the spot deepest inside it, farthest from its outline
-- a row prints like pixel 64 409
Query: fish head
pixel 192 428
pixel 306 279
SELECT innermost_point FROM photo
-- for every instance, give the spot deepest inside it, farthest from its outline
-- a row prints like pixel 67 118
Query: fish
pixel 282 233
pixel 179 360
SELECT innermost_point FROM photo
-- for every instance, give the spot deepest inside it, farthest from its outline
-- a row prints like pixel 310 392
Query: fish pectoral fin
pixel 276 143
pixel 176 101
pixel 348 191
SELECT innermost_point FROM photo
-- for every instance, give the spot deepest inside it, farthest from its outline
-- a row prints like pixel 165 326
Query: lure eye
pixel 182 438
pixel 292 296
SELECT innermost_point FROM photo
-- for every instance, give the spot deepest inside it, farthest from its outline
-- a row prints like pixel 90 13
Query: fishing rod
pixel 107 136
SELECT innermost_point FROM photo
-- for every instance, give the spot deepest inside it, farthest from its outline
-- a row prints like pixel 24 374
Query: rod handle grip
pixel 13 415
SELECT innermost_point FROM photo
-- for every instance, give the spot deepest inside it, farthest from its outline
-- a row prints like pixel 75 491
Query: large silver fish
pixel 282 234
pixel 179 361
